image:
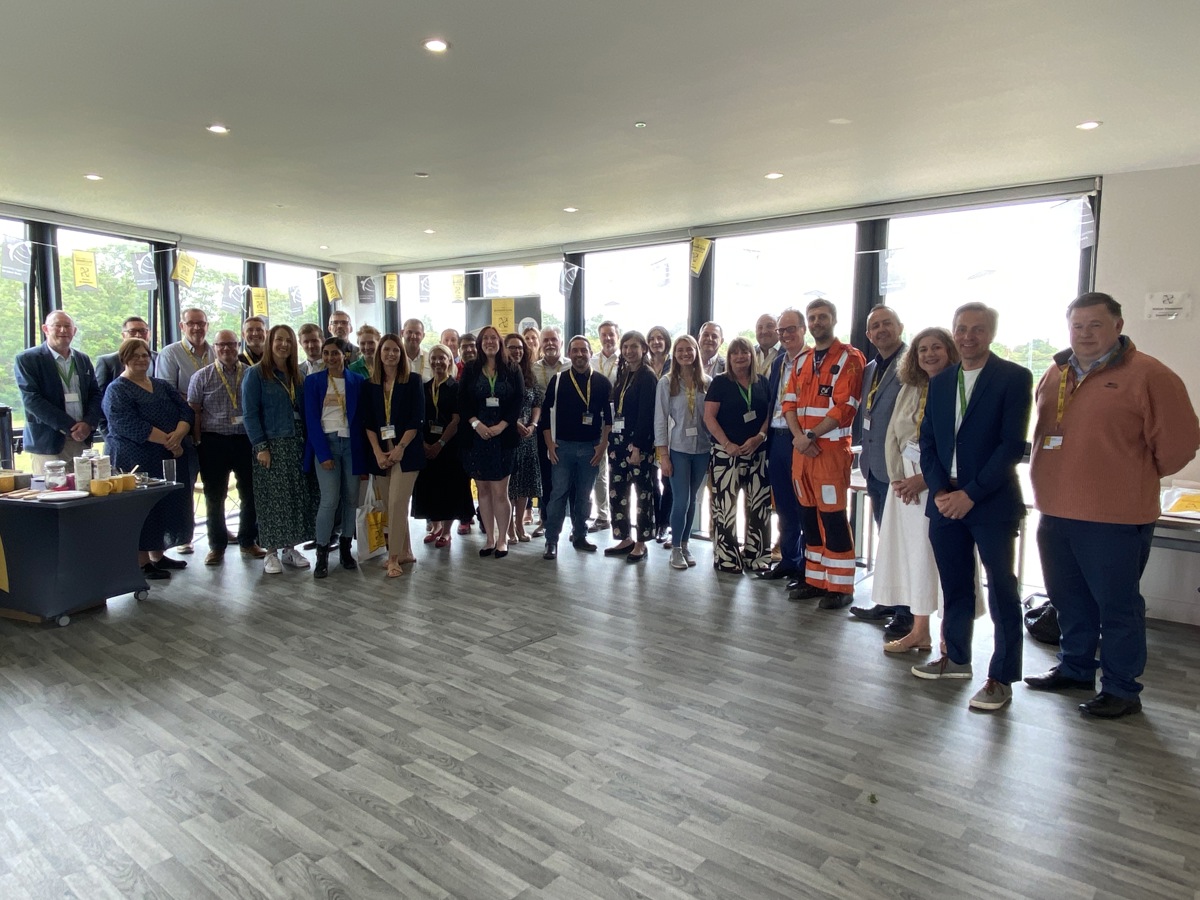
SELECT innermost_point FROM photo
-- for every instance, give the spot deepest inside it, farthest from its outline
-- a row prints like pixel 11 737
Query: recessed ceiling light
pixel 92 176
pixel 1090 125
pixel 216 128
pixel 639 124
pixel 430 231
pixel 570 209
pixel 773 175
pixel 839 121
pixel 436 45
pixel 421 174
pixel 323 247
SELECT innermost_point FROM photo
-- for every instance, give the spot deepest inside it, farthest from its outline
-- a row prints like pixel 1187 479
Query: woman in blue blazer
pixel 333 448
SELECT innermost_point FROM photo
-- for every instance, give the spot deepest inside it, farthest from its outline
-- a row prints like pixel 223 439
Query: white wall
pixel 1150 241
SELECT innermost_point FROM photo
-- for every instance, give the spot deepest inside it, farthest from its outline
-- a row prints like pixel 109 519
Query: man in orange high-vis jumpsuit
pixel 819 406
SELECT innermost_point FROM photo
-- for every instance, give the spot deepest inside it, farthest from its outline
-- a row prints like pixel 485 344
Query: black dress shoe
pixel 500 554
pixel 1054 680
pixel 806 592
pixel 776 572
pixel 166 564
pixel 898 627
pixel 1109 706
pixel 872 613
pixel 551 552
pixel 618 550
pixel 584 544
pixel 833 600
pixel 151 573
pixel 487 551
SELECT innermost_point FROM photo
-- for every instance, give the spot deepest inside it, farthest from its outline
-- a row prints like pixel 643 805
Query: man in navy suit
pixel 791 330
pixel 109 366
pixel 59 393
pixel 972 437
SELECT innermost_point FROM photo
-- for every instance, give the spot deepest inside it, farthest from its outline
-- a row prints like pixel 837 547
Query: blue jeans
pixel 572 478
pixel 688 471
pixel 787 507
pixel 1092 572
pixel 338 485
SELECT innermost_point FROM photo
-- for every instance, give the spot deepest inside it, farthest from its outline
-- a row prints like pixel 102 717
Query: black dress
pixel 443 489
pixel 490 460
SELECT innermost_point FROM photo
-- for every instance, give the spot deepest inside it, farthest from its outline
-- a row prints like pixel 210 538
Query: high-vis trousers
pixel 822 484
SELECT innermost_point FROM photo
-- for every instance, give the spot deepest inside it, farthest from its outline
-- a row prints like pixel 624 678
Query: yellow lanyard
pixel 879 372
pixel 233 394
pixel 764 367
pixel 690 390
pixel 921 406
pixel 587 401
pixel 341 401
pixel 287 386
pixel 621 399
pixel 434 390
pixel 1063 399
pixel 197 361
pixel 387 402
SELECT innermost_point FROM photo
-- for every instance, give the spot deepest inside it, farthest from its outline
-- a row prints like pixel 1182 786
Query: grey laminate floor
pixel 584 729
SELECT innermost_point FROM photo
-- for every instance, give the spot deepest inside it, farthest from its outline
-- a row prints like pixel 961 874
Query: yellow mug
pixel 117 483
pixel 100 487
pixel 7 483
pixel 129 482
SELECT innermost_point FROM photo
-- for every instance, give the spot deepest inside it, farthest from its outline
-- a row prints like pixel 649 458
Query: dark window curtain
pixel 869 245
pixel 254 274
pixel 44 293
pixel 573 272
pixel 164 312
pixel 700 293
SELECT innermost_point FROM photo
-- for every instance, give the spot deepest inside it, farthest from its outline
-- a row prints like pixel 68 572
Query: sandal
pixel 394 570
pixel 900 647
pixel 443 542
pixel 432 536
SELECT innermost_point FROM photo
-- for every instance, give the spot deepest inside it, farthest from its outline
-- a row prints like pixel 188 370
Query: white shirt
pixel 970 376
pixel 73 408
pixel 785 375
pixel 420 366
pixel 607 365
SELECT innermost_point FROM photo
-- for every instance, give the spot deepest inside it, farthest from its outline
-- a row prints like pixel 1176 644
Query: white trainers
pixel 271 563
pixel 677 560
pixel 295 558
pixel 687 557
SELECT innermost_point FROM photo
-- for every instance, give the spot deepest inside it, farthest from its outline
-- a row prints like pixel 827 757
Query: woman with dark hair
pixel 658 361
pixel 333 448
pixel 443 489
pixel 682 440
pixel 735 413
pixel 393 412
pixel 285 497
pixel 148 422
pixel 490 403
pixel 526 478
pixel 631 449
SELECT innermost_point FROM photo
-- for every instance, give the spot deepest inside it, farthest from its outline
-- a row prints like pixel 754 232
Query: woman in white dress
pixel 905 571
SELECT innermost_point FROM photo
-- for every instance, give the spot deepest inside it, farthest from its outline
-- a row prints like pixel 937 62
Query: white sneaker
pixel 295 558
pixel 687 557
pixel 677 560
pixel 271 563
pixel 185 548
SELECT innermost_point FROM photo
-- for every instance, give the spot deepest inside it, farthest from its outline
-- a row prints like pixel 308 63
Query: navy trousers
pixel 787 507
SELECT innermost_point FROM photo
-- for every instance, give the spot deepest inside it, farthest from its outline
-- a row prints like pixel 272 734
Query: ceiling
pixel 334 106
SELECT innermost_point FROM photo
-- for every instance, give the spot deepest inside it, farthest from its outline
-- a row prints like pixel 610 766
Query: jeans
pixel 1092 572
pixel 338 485
pixel 688 471
pixel 573 478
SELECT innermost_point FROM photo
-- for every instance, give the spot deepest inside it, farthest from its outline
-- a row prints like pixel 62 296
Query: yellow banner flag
pixel 460 288
pixel 391 286
pixel 185 269
pixel 331 289
pixel 700 248
pixel 504 317
pixel 84 264
pixel 258 301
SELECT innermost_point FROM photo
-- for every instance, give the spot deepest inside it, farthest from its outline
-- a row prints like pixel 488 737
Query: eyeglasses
pixel 137 332
pixel 225 344
pixel 788 329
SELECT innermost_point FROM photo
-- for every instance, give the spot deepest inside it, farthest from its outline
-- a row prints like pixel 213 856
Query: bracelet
pixel 441 443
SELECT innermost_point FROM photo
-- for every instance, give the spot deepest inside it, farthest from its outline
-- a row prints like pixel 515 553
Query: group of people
pixel 634 435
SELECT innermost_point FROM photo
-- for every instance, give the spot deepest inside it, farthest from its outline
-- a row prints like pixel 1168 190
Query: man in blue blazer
pixel 59 393
pixel 791 330
pixel 109 366
pixel 972 437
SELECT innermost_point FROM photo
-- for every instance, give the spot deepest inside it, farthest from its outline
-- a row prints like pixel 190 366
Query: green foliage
pixel 12 342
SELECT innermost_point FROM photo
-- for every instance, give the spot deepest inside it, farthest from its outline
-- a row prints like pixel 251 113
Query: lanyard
pixel 66 379
pixel 387 402
pixel 746 394
pixel 587 401
pixel 237 370
pixel 690 390
pixel 1063 399
pixel 341 401
pixel 434 390
pixel 878 377
pixel 287 386
pixel 962 393
pixel 491 380
pixel 608 364
pixel 197 361
pixel 921 406
pixel 624 391
pixel 764 365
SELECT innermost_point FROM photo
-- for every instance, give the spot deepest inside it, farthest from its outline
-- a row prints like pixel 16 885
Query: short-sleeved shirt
pixel 219 396
pixel 731 415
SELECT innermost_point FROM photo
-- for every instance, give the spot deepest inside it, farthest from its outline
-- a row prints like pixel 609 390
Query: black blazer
pixel 408 412
pixel 990 441
pixel 638 411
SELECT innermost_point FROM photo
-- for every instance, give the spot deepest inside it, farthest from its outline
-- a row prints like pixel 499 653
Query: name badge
pixel 749 416
pixel 492 401
pixel 71 397
pixel 691 432
pixel 618 425
pixel 912 452
pixel 587 418
pixel 388 432
pixel 1052 442
pixel 236 420
pixel 436 429
pixel 866 423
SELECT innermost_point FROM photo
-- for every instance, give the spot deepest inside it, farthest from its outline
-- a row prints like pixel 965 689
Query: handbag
pixel 1042 622
pixel 371 524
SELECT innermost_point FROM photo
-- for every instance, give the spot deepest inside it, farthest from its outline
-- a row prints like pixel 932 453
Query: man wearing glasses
pixel 109 366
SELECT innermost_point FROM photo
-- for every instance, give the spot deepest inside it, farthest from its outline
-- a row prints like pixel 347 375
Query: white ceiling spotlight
pixel 772 176
pixel 217 128
pixel 436 45
pixel 570 209
pixel 839 121
pixel 92 176
pixel 639 124
pixel 430 231
pixel 323 247
pixel 421 174
pixel 1089 125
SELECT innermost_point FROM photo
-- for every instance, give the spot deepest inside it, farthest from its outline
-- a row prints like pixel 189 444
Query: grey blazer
pixel 873 459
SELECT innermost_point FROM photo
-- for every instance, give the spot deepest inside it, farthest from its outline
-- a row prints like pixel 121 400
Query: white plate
pixel 59 496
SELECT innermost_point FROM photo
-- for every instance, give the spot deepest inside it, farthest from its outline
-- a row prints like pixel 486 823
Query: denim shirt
pixel 269 411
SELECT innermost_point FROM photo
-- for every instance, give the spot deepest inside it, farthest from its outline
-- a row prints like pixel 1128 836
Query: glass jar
pixel 56 474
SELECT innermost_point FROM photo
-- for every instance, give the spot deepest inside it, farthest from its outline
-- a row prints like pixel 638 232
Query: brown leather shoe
pixel 253 552
pixel 214 557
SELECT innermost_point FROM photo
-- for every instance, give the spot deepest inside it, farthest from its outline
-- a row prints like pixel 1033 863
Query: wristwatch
pixel 811 435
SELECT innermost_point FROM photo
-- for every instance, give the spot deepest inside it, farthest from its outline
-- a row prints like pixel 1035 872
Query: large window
pixel 637 288
pixel 1022 259
pixel 438 299
pixel 104 291
pixel 766 273
pixel 218 289
pixel 544 279
pixel 14 299
pixel 292 295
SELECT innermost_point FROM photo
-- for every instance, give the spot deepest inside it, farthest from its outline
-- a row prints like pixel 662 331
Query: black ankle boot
pixel 347 558
pixel 322 567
